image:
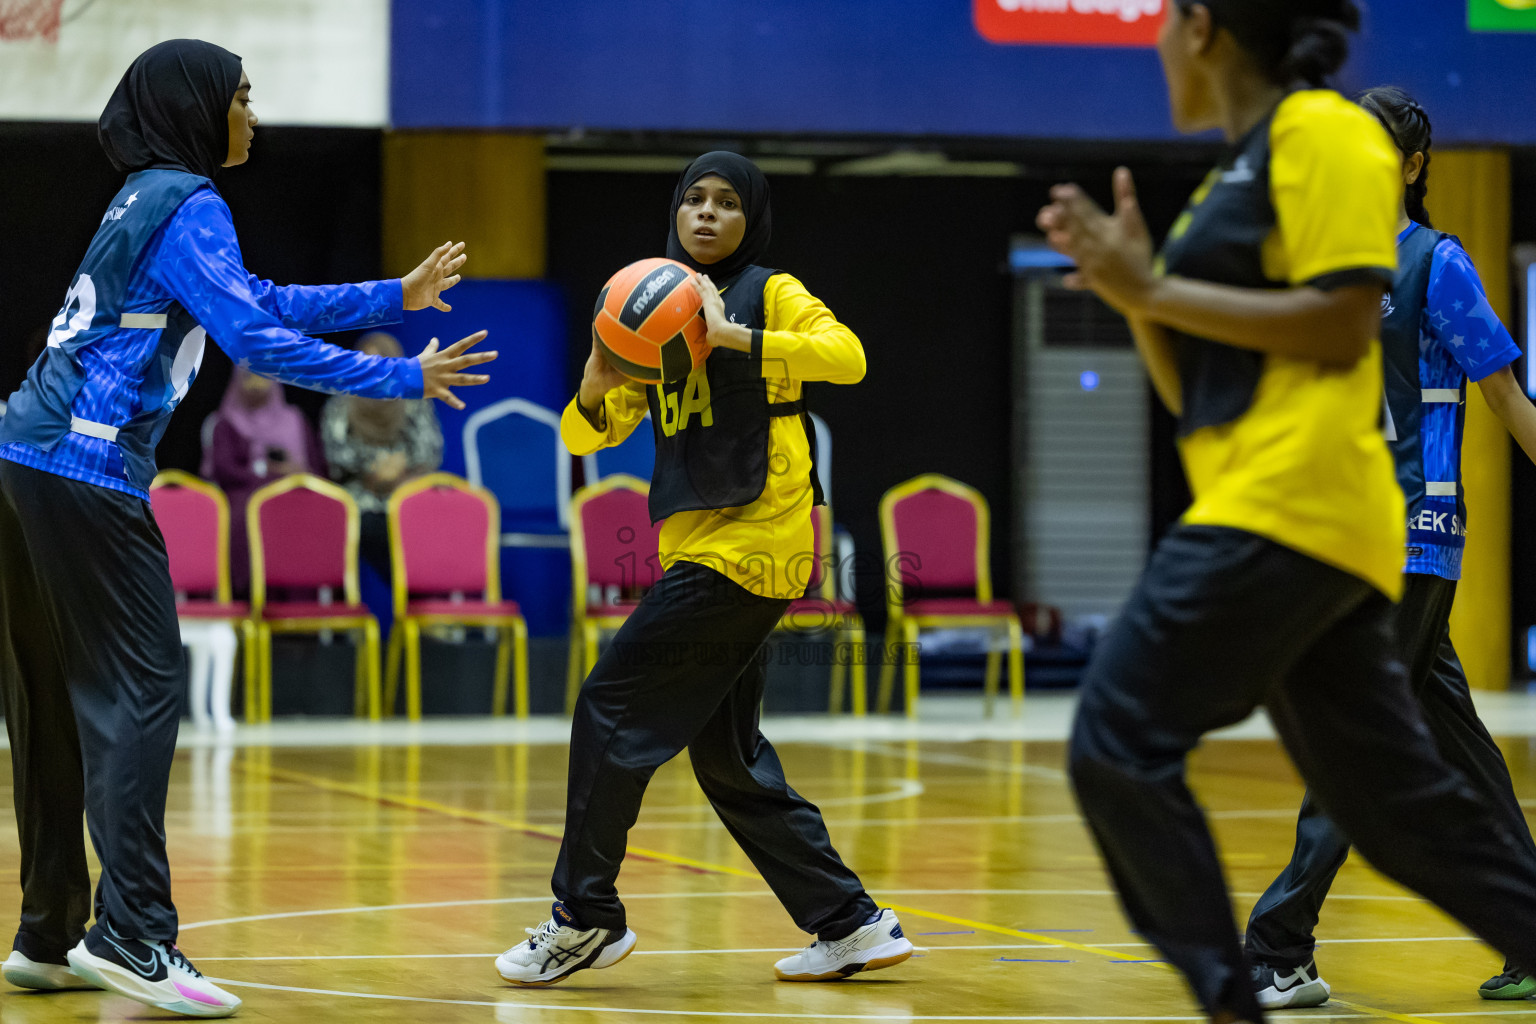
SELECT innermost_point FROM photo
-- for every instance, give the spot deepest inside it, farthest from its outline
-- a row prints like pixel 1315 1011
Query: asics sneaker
pixel 559 948
pixel 32 967
pixel 149 971
pixel 1510 983
pixel 877 944
pixel 1280 988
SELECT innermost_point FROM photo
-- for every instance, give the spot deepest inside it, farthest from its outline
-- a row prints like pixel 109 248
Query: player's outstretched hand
pixel 440 371
pixel 425 285
pixel 1113 252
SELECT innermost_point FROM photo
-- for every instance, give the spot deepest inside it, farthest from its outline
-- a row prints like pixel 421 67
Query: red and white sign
pixel 1070 22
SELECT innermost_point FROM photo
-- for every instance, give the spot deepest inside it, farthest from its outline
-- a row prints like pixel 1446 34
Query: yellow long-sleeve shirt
pixel 764 545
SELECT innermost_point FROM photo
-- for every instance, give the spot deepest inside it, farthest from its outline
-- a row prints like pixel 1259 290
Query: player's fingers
pixel 1125 185
pixel 463 343
pixel 471 359
pixel 440 304
pixel 1061 241
pixel 1080 206
pixel 430 349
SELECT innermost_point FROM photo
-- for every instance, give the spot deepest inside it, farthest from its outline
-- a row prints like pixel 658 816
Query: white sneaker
pixel 24 972
pixel 871 947
pixel 1278 988
pixel 558 950
pixel 156 973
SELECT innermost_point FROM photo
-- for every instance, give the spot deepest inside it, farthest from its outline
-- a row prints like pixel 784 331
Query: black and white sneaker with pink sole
pixel 152 972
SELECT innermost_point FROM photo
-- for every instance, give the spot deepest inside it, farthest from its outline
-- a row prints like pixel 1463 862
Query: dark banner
pixel 1070 69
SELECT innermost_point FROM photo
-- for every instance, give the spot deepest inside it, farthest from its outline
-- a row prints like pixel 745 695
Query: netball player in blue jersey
pixel 1437 332
pixel 1259 323
pixel 91 668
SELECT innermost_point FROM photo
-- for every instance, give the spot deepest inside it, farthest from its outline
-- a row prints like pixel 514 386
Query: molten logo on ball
pixel 647 322
pixel 656 284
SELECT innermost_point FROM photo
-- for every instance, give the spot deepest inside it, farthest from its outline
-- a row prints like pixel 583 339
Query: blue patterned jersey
pixel 1438 332
pixel 164 272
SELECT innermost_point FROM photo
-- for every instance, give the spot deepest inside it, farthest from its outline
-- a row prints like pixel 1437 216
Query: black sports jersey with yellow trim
pixel 723 462
pixel 761 544
pixel 1292 449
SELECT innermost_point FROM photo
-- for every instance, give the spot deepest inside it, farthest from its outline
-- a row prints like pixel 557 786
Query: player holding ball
pixel 735 483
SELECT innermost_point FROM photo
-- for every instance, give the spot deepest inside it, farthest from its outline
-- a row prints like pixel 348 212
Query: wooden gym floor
pixel 347 872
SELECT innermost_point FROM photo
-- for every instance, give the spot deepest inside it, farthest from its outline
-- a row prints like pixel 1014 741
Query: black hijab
pixel 172 109
pixel 749 183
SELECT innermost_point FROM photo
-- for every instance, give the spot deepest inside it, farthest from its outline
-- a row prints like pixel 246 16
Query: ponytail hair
pixel 1408 124
pixel 1293 41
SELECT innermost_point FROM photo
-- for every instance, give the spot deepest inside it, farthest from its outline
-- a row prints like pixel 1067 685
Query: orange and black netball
pixel 647 322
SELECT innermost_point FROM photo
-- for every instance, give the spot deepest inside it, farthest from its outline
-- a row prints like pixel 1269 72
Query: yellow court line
pixel 486 818
pixel 1113 955
pixel 998 929
pixel 1406 1018
pixel 481 817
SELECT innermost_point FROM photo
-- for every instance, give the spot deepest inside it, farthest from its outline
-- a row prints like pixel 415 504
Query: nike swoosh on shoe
pixel 133 961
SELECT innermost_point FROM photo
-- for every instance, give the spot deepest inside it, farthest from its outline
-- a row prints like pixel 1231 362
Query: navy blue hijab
pixel 171 109
pixel 752 187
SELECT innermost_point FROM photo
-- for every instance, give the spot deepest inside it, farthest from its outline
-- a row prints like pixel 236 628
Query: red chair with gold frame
pixel 304 534
pixel 193 517
pixel 615 551
pixel 445 552
pixel 820 610
pixel 937 537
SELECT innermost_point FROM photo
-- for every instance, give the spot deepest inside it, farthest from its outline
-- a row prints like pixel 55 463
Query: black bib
pixel 1402 313
pixel 712 426
pixel 1220 237
pixel 1402 316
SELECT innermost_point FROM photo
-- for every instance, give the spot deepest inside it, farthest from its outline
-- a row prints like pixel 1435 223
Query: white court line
pixel 960 760
pixel 731 893
pixel 364 910
pixel 905 789
pixel 983 819
pixel 946 947
pixel 512 1003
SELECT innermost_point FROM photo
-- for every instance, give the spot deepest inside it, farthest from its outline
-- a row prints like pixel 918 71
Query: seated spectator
pixel 253 438
pixel 374 446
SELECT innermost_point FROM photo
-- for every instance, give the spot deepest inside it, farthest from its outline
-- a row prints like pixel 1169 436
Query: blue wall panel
pixel 527 324
pixel 904 67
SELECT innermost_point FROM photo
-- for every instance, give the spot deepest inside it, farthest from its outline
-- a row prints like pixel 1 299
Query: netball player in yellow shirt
pixel 1258 324
pixel 735 484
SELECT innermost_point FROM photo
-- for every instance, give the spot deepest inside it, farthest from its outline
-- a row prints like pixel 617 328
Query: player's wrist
pixel 591 409
pixel 729 335
pixel 1144 300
